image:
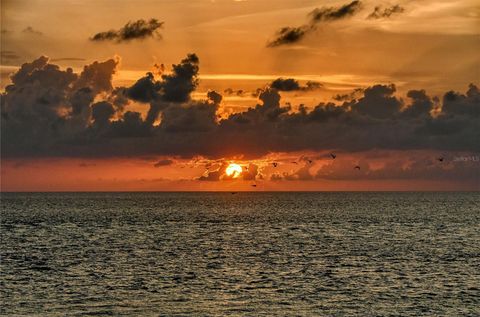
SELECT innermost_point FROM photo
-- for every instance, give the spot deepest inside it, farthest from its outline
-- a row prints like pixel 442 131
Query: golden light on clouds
pixel 233 170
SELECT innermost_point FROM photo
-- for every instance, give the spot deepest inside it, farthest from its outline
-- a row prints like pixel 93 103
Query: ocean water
pixel 244 254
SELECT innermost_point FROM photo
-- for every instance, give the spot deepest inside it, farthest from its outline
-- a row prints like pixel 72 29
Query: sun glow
pixel 233 170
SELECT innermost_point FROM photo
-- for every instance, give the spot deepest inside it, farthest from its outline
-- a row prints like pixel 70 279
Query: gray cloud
pixel 50 112
pixel 289 35
pixel 332 14
pixel 380 12
pixel 140 29
pixel 290 84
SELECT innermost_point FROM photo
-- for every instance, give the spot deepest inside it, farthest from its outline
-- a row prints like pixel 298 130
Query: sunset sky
pixel 301 95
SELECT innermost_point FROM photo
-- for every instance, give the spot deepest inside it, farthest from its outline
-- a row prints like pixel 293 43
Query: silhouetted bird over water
pixel 357 167
pixel 333 156
pixel 275 164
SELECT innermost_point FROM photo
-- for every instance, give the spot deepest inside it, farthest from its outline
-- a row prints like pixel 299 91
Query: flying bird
pixel 275 164
pixel 334 156
pixel 254 185
pixel 309 161
pixel 295 162
pixel 357 167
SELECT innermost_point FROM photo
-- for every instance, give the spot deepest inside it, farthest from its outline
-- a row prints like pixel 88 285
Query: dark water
pixel 248 254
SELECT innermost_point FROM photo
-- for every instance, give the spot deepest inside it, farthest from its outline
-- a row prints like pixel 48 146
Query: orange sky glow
pixel 214 99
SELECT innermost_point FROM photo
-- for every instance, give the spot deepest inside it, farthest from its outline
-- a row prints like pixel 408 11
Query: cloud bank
pixel 50 112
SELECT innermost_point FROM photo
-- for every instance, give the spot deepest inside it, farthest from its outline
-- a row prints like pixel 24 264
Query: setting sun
pixel 233 170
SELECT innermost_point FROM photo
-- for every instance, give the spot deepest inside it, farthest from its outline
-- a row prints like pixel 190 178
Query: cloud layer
pixel 48 112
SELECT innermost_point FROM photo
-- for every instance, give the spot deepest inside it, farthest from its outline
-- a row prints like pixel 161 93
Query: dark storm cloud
pixel 48 112
pixel 97 76
pixel 291 84
pixel 140 29
pixel 421 104
pixel 378 102
pixel 178 86
pixel 174 87
pixel 102 112
pixel 380 12
pixel 289 35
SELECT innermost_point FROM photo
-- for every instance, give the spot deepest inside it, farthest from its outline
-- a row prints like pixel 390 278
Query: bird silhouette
pixel 295 162
pixel 333 156
pixel 254 185
pixel 440 159
pixel 309 161
pixel 357 167
pixel 275 164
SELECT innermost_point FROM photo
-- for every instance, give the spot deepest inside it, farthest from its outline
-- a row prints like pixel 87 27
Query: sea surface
pixel 242 254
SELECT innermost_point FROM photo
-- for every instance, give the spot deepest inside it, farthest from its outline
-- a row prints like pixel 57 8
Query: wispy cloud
pixel 289 35
pixel 140 29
